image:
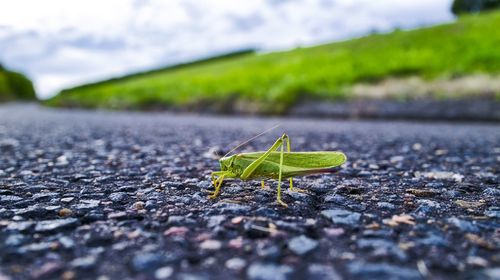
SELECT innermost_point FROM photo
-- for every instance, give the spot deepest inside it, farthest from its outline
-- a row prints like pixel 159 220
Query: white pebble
pixel 211 245
pixel 236 263
pixel 164 272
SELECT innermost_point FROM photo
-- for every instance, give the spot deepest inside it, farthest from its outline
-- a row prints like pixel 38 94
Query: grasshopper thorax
pixel 226 163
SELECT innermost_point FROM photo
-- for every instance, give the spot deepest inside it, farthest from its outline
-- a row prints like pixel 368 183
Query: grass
pixel 272 83
pixel 15 86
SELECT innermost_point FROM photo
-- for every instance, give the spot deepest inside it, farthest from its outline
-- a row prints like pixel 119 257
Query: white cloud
pixel 61 43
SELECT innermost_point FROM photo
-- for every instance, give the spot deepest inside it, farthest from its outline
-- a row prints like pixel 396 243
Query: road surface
pixel 87 194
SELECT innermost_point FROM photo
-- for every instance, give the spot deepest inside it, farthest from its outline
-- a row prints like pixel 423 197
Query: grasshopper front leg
pixel 217 182
pixel 217 187
pixel 215 174
pixel 253 166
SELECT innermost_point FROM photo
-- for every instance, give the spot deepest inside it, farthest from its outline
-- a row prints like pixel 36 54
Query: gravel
pixel 88 195
pixel 302 245
pixel 340 216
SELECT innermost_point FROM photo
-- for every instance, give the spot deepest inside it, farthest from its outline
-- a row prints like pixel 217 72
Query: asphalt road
pixel 103 195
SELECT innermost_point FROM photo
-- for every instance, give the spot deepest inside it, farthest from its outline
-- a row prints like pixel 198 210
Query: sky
pixel 63 43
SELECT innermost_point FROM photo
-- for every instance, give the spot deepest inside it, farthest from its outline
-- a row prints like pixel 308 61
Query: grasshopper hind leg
pixel 288 144
pixel 253 166
pixel 292 189
pixel 284 137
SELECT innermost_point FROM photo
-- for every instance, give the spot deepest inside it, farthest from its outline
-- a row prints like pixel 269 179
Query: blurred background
pixel 437 59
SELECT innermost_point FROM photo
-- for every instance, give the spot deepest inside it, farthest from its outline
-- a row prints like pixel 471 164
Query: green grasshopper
pixel 275 165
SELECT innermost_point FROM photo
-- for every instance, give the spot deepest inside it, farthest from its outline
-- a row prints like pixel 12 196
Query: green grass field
pixel 15 86
pixel 271 83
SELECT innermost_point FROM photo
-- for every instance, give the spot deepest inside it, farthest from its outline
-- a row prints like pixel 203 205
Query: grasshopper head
pixel 226 163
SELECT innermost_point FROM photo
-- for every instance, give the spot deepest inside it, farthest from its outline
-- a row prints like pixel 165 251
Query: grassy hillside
pixel 271 83
pixel 15 86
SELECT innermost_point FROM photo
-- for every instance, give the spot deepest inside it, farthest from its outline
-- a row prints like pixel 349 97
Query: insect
pixel 272 164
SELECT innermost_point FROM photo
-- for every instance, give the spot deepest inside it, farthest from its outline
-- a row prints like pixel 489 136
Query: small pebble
pixel 65 212
pixel 139 205
pixel 268 271
pixel 164 272
pixel 211 244
pixel 235 263
pixel 302 245
pixel 176 231
pixel 67 199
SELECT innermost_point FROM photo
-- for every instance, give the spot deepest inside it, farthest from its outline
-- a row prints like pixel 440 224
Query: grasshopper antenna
pixel 256 136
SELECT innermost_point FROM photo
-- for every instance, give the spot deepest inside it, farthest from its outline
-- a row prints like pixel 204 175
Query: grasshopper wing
pixel 298 163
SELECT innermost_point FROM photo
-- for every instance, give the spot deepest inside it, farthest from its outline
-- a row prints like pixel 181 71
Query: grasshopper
pixel 275 165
